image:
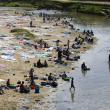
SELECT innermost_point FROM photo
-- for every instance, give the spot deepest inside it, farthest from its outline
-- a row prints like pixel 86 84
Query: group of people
pixel 88 32
pixel 51 78
pixel 40 65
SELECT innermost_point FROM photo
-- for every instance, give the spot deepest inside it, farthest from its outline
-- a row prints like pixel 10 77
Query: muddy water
pixel 92 88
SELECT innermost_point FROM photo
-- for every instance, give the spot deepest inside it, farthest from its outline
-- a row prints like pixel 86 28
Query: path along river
pixel 92 87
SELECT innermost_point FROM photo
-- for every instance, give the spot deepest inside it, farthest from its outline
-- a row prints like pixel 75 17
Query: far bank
pixel 94 8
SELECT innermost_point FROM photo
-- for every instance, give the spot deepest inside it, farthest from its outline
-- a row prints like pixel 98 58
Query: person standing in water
pixel 72 84
pixel 109 57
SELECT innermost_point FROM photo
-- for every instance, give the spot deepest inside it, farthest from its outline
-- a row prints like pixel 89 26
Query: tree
pixel 9 1
pixel 32 2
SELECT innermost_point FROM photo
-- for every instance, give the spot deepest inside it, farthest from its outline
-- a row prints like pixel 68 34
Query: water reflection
pixel 109 67
pixel 83 72
pixel 72 95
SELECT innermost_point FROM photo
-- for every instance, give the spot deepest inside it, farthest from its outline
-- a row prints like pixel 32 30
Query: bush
pixel 22 31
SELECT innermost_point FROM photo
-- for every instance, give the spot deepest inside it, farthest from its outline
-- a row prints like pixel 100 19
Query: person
pixel 35 47
pixel 72 84
pixel 68 43
pixel 22 86
pixel 43 19
pixel 41 43
pixel 32 81
pixel 64 52
pixel 59 55
pixel 57 42
pixel 45 45
pixel 84 31
pixel 45 64
pixel 73 45
pixel 50 77
pixel 83 66
pixel 54 84
pixel 8 82
pixel 67 56
pixel 1 90
pixel 64 75
pixel 67 52
pixel 39 64
pixel 31 72
pixel 31 24
pixel 109 57
pixel 91 32
pixel 76 39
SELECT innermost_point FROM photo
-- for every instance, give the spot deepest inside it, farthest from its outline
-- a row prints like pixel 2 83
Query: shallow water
pixel 92 87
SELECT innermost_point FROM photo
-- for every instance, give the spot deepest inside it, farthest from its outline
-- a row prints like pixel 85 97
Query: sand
pixel 10 99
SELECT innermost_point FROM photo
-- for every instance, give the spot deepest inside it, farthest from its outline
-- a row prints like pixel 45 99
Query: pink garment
pixel 2 65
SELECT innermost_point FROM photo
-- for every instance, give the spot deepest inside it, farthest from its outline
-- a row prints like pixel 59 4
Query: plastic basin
pixel 13 86
pixel 37 89
pixel 66 78
pixel 43 83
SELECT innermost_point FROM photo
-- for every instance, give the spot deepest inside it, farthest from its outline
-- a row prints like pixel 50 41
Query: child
pixel 1 90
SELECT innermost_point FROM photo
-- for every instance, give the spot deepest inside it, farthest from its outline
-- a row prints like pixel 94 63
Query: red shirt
pixel 21 85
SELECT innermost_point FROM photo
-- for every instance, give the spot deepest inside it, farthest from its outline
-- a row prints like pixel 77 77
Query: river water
pixel 92 90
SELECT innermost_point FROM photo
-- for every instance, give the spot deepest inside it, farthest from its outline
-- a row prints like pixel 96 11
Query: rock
pixel 25 76
pixel 27 107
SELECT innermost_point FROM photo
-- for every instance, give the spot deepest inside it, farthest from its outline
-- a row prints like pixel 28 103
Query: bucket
pixel 37 89
pixel 32 86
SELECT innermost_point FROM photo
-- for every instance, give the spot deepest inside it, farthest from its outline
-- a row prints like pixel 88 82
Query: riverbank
pixel 16 69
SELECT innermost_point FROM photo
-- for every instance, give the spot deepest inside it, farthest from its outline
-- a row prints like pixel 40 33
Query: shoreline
pixel 20 67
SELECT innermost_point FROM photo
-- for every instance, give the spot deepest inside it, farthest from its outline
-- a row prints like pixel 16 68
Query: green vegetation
pixel 15 4
pixel 22 31
pixel 78 6
pixel 92 10
pixel 94 0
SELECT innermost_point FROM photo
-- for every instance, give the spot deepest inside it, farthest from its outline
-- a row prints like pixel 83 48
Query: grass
pixel 22 31
pixel 17 4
